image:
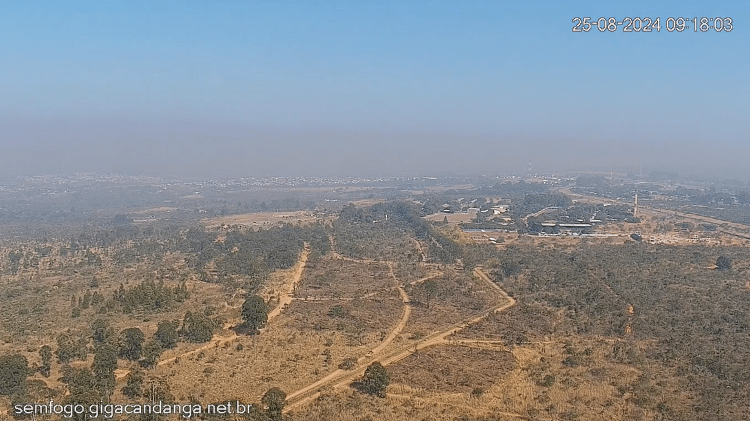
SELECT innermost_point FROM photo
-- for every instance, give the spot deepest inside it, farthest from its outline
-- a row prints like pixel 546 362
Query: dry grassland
pixel 459 297
pixel 348 405
pixel 519 324
pixel 452 369
pixel 361 317
pixel 261 219
pixel 531 384
pixel 250 365
pixel 38 314
pixel 453 218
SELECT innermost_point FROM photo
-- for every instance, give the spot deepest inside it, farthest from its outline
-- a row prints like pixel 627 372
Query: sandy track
pixel 287 293
pixel 345 378
pixel 370 355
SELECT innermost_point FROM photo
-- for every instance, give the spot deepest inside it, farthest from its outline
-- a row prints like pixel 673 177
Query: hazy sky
pixel 234 88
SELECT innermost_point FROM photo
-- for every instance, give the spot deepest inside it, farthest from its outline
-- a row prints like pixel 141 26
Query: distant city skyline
pixel 235 89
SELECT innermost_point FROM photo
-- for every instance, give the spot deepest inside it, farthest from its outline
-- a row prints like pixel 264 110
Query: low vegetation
pixel 600 330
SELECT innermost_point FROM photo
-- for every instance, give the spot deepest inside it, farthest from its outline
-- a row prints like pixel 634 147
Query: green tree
pixel 134 386
pixel 86 300
pixel 96 299
pixel 101 330
pixel 103 367
pixel 431 290
pixel 82 348
pixel 131 343
pixel 21 397
pixel 82 388
pixel 723 263
pixel 166 333
pixel 197 327
pixel 69 349
pixel 375 380
pixel 273 400
pixel 255 312
pixel 13 371
pixel 45 354
pixel 151 352
pixel 66 349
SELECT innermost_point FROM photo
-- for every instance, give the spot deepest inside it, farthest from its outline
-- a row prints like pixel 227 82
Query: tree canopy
pixel 273 400
pixel 131 343
pixel 723 263
pixel 197 327
pixel 151 352
pixel 13 371
pixel 166 333
pixel 103 367
pixel 375 380
pixel 45 355
pixel 255 312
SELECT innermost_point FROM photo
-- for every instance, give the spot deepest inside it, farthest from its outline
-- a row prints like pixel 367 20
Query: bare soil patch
pixel 344 278
pixel 453 218
pixel 261 219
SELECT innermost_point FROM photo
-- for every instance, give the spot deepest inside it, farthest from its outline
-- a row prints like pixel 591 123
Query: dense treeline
pixel 243 252
pixel 150 296
pixel 125 244
pixel 251 254
pixel 371 232
pixel 361 234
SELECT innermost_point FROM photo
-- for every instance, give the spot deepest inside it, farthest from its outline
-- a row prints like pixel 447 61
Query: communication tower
pixel 529 176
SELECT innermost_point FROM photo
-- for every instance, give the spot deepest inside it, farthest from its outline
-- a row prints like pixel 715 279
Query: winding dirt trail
pixel 401 324
pixel 345 378
pixel 367 358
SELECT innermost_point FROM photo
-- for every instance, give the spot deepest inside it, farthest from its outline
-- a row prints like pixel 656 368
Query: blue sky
pixel 373 88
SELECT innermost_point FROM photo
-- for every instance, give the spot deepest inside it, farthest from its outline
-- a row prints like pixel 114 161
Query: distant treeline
pixel 250 254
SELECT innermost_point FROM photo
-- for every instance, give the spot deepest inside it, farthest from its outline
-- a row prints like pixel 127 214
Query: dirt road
pixel 370 355
pixel 345 378
pixel 287 292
